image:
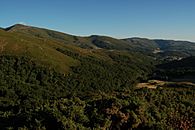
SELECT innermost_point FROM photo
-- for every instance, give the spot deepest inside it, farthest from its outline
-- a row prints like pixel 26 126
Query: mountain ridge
pixel 23 25
pixel 29 40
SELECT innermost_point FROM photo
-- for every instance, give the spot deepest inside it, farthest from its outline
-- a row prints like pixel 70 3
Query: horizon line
pixel 104 35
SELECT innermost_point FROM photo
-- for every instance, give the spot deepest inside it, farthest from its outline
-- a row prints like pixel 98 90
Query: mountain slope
pixel 102 42
pixel 163 49
pixel 48 34
pixel 40 50
pixel 45 50
pixel 182 70
pixel 182 46
pixel 84 42
pixel 142 44
pixel 50 80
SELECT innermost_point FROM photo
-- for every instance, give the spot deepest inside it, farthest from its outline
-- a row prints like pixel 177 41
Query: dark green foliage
pixel 139 109
pixel 34 97
pixel 182 70
pixel 91 75
pixel 184 63
pixel 96 74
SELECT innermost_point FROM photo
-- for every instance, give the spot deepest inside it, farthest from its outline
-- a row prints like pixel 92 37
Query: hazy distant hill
pixel 142 44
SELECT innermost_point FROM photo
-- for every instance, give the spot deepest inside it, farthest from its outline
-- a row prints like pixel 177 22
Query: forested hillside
pixel 182 70
pixel 51 80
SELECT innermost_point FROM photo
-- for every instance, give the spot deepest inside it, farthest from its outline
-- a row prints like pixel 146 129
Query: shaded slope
pixel 182 70
pixel 184 63
pixel 109 43
pixel 142 44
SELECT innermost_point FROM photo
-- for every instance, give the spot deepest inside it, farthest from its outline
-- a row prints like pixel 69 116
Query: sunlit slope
pixel 41 50
pixel 104 42
pixel 56 50
pixel 50 52
pixel 50 35
pixel 91 42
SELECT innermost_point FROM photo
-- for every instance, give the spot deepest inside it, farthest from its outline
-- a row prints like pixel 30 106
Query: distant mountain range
pixel 43 45
pixel 104 42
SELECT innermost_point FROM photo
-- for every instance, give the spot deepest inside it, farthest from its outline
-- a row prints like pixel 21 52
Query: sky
pixel 156 19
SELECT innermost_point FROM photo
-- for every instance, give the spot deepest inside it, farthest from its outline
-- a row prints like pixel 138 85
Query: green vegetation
pixel 182 70
pixel 24 83
pixel 41 50
pixel 103 42
pixel 51 80
pixel 33 97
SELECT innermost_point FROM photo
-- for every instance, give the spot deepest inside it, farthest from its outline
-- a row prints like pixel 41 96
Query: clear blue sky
pixel 168 19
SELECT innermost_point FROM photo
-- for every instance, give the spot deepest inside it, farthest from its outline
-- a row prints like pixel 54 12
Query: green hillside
pixel 163 50
pixel 51 80
pixel 43 51
pixel 83 67
pixel 142 45
pixel 182 70
pixel 50 35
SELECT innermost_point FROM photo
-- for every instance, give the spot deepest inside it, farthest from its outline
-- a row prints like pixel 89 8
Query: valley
pixel 53 80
